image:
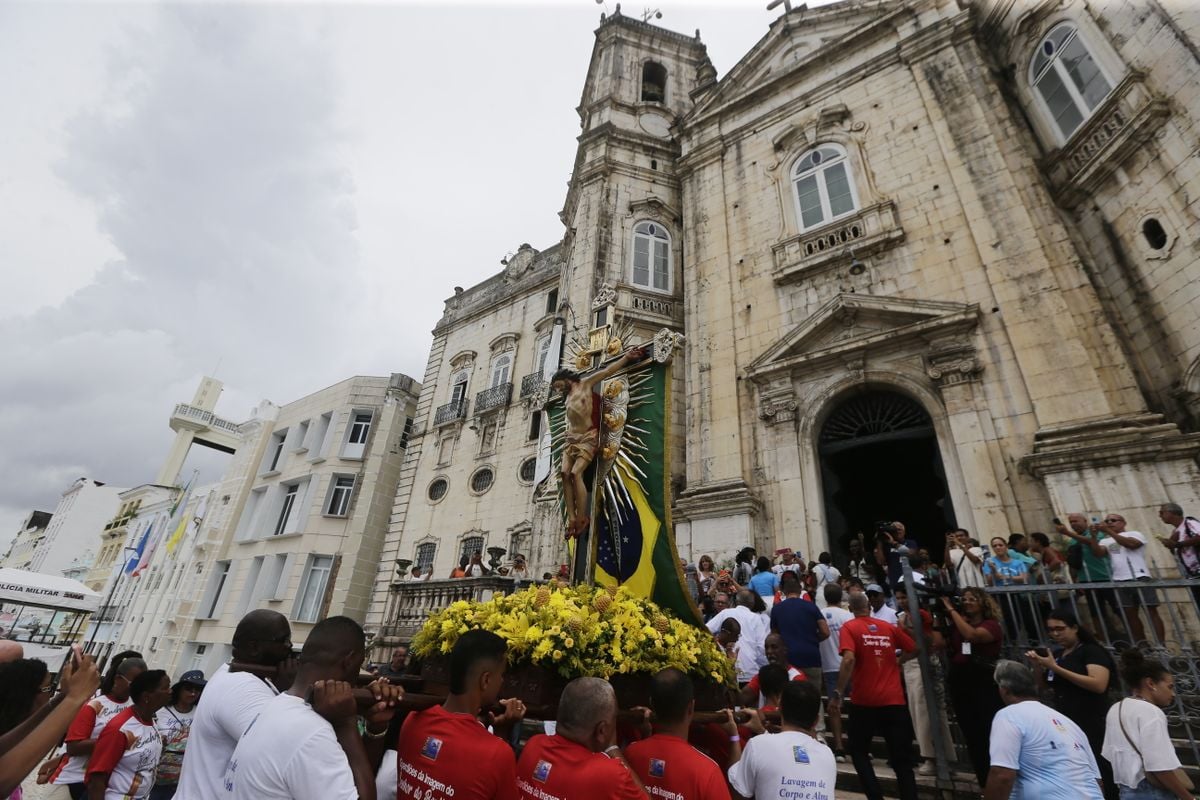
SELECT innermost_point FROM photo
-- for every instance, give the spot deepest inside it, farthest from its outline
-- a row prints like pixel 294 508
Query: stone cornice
pixel 1107 442
pixel 712 500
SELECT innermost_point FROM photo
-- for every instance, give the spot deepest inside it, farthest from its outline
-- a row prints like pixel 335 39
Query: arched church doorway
pixel 880 461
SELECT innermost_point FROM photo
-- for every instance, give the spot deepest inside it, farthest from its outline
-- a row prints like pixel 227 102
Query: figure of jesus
pixel 583 433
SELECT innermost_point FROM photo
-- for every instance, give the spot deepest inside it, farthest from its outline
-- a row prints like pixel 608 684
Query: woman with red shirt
pixel 975 640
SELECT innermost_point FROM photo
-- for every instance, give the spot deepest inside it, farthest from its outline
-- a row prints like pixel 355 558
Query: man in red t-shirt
pixel 666 763
pixel 868 647
pixel 580 762
pixel 776 651
pixel 444 751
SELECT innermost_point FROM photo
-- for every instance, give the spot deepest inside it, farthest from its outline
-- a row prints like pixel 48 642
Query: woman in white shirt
pixel 824 573
pixel 1136 741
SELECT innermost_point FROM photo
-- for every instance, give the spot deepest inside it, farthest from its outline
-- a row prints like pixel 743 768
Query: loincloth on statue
pixel 582 446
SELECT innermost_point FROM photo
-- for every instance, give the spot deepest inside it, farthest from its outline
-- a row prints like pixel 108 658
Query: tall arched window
pixel 654 82
pixel 541 353
pixel 501 369
pixel 1067 78
pixel 458 386
pixel 824 188
pixel 651 257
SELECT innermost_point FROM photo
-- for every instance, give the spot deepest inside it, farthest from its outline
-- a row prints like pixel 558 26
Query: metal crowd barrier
pixel 1102 608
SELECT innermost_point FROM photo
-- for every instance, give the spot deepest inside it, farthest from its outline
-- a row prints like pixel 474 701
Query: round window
pixel 528 470
pixel 437 489
pixel 481 481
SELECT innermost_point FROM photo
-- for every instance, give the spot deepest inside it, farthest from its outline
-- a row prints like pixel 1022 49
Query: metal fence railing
pixel 1118 613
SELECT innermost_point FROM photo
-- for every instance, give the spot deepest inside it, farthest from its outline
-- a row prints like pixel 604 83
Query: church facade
pixel 933 261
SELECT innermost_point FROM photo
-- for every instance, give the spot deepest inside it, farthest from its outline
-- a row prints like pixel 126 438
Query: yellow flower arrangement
pixel 579 631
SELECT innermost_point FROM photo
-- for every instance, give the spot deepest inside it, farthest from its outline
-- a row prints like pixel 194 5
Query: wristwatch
pixel 836 695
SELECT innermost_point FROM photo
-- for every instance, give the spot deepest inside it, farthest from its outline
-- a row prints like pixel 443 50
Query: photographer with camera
pixel 891 542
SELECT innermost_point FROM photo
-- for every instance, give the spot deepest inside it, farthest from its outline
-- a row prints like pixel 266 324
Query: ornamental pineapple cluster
pixel 579 631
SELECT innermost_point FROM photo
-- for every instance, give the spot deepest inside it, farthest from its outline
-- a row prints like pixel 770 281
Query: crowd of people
pixel 807 642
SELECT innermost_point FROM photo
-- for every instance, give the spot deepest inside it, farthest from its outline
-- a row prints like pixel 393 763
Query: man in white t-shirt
pixel 305 743
pixel 792 763
pixel 831 657
pixel 963 561
pixel 1037 753
pixel 879 607
pixel 1127 557
pixel 752 644
pixel 231 702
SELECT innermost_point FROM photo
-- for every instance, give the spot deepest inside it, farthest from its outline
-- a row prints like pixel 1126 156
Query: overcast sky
pixel 278 194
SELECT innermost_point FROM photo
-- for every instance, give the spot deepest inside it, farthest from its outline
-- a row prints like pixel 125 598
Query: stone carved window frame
pixel 634 233
pixel 872 227
pixel 820 170
pixel 1170 225
pixel 1029 34
pixel 651 209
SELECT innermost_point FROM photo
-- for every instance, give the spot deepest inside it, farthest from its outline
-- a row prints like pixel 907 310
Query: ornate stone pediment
pixel 849 325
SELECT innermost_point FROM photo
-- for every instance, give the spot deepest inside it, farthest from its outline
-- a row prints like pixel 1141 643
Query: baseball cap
pixel 874 587
pixel 193 677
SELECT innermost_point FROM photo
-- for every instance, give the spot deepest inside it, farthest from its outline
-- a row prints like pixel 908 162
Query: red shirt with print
pixel 677 769
pixel 876 677
pixel 556 768
pixel 440 750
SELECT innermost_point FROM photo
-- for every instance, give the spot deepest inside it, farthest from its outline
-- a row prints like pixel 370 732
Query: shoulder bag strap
pixel 1125 733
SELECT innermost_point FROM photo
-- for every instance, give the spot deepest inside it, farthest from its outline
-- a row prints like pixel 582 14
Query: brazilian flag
pixel 631 537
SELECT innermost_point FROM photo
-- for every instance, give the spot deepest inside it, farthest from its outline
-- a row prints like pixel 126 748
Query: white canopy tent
pixel 18 587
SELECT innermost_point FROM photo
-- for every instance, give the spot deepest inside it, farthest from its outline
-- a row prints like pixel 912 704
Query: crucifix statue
pixel 582 411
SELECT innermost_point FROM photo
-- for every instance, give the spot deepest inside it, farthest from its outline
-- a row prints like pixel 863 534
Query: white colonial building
pixel 52 542
pixel 296 524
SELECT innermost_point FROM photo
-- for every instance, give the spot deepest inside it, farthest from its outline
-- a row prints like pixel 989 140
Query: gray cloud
pixel 215 161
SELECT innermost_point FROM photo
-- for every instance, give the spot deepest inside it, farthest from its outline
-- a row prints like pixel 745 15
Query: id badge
pixel 966 648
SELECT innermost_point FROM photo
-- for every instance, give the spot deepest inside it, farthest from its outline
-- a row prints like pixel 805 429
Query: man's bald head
pixel 10 651
pixel 587 713
pixel 859 605
pixel 262 637
pixel 335 644
pixel 745 597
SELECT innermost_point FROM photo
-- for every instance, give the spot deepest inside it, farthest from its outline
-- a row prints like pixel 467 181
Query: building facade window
pixel 312 588
pixel 407 433
pixel 357 433
pixel 482 480
pixel 542 352
pixel 552 301
pixel 528 470
pixel 470 546
pixel 339 496
pixel 654 82
pixel 1067 78
pixel 651 257
pixel 283 524
pixel 437 489
pixel 425 554
pixel 458 386
pixel 824 186
pixel 359 428
pixel 217 589
pixel 535 425
pixel 275 451
pixel 501 370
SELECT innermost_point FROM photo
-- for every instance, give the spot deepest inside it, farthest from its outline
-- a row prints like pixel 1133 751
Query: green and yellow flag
pixel 632 540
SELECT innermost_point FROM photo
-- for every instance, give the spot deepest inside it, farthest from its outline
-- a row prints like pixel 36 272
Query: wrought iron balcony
pixel 451 412
pixel 531 383
pixel 495 397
